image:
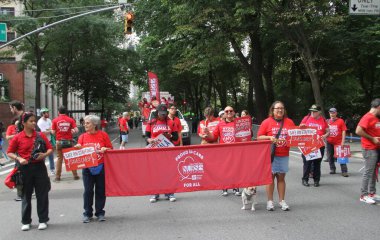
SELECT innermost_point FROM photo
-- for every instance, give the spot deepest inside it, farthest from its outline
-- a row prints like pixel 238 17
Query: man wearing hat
pixel 44 124
pixel 337 136
pixel 317 121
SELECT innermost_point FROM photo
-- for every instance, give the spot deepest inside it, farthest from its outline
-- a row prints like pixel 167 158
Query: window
pixel 7 11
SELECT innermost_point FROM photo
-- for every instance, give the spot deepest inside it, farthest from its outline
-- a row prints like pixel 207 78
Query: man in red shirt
pixel 173 116
pixel 63 127
pixel 337 136
pixel 369 130
pixel 225 131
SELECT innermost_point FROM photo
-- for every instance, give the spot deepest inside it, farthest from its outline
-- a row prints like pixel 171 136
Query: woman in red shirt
pixel 94 177
pixel 269 128
pixel 210 122
pixel 30 161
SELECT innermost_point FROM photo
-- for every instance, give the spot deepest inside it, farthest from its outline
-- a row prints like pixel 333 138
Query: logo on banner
pixel 190 167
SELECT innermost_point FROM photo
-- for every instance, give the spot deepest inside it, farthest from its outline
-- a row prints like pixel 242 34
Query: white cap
pixel 220 113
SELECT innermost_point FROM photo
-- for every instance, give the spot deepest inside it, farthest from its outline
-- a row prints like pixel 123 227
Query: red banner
pixel 342 151
pixel 77 158
pixel 154 89
pixel 137 172
pixel 243 127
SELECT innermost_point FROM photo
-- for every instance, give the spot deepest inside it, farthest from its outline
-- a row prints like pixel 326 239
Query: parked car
pixel 186 135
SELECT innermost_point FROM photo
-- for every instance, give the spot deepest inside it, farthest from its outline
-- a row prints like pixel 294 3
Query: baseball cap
pixel 220 113
pixel 162 109
pixel 44 110
pixel 333 110
pixel 315 108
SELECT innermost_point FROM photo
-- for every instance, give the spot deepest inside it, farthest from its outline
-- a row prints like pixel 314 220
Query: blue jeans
pixel 51 162
pixel 89 182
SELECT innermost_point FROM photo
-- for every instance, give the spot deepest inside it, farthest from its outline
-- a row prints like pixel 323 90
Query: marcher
pixel 369 130
pixel 44 123
pixel 315 120
pixel 337 136
pixel 29 150
pixel 103 124
pixel 161 124
pixel 210 122
pixel 124 130
pixel 94 177
pixel 350 123
pixel 275 128
pixel 173 116
pixel 225 132
pixel 63 127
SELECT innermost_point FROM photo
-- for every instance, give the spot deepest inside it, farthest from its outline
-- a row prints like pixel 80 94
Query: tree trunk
pixel 268 72
pixel 38 78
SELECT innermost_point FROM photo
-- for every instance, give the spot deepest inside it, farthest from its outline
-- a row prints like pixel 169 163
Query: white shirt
pixel 44 124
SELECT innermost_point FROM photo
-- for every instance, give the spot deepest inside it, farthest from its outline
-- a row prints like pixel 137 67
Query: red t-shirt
pixel 178 124
pixel 336 128
pixel 99 139
pixel 270 127
pixel 371 125
pixel 123 124
pixel 62 126
pixel 23 145
pixel 210 124
pixel 225 131
pixel 157 127
pixel 11 130
pixel 103 123
pixel 320 124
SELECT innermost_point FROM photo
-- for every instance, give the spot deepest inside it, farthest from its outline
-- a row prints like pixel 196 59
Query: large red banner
pixel 154 89
pixel 137 172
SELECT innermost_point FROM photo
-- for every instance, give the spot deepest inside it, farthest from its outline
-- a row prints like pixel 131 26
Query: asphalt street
pixel 331 211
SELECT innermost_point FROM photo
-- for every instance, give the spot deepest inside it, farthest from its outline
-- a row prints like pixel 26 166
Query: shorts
pixel 280 164
pixel 124 138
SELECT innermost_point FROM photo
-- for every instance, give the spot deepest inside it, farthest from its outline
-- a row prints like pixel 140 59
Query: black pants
pixel 35 177
pixel 332 160
pixel 90 182
pixel 316 163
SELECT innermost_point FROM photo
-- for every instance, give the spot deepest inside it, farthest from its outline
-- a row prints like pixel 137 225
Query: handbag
pixel 65 143
pixel 96 170
pixel 273 146
pixel 14 178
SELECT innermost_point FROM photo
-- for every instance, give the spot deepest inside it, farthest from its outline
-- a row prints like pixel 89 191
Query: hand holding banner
pixel 78 158
pixel 160 142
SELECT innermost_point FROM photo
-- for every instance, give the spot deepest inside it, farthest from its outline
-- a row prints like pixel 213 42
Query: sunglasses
pixel 228 111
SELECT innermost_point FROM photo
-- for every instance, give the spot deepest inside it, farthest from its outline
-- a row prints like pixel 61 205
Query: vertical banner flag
pixel 154 89
pixel 145 171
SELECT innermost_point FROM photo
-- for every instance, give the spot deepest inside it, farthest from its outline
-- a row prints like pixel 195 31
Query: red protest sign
pixel 298 137
pixel 243 127
pixel 342 151
pixel 77 158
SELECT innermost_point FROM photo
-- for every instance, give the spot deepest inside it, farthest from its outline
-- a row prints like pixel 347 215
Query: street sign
pixel 364 7
pixel 3 32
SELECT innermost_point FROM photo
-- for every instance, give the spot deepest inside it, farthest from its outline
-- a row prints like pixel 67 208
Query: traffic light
pixel 128 22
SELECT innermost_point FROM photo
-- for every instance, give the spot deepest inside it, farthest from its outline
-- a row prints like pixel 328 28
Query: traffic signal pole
pixel 122 6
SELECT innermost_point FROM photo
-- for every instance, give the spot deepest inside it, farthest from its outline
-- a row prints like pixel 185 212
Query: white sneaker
pixel 153 200
pixel 224 193
pixel 25 227
pixel 42 226
pixel 52 172
pixel 374 196
pixel 172 199
pixel 284 206
pixel 270 206
pixel 367 199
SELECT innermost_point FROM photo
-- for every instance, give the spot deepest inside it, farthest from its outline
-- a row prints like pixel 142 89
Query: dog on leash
pixel 248 196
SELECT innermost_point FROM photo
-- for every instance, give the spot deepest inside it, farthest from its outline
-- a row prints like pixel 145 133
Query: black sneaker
pixel 86 219
pixel 305 183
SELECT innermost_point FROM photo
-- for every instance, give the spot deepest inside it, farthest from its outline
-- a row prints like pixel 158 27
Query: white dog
pixel 249 196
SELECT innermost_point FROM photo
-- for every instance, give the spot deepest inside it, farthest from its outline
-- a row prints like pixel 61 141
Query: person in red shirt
pixel 210 122
pixel 11 130
pixel 103 124
pixel 161 124
pixel 29 150
pixel 369 130
pixel 269 129
pixel 94 177
pixel 225 132
pixel 63 127
pixel 173 116
pixel 124 130
pixel 314 120
pixel 337 136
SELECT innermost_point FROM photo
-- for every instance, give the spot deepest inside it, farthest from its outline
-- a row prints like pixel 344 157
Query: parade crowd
pixel 31 141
